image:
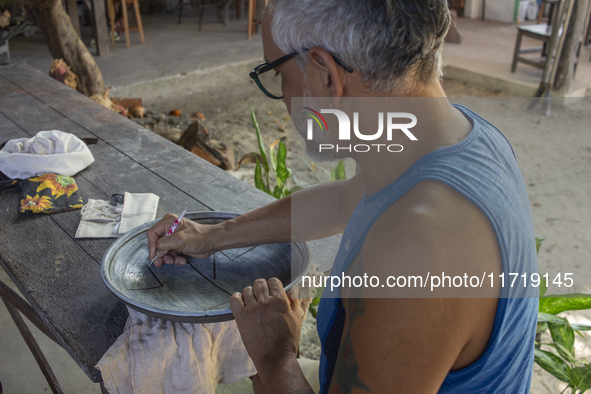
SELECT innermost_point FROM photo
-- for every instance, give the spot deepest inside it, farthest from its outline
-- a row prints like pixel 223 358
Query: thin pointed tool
pixel 171 230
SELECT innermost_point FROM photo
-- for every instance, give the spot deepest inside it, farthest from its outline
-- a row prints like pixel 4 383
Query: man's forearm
pixel 309 214
pixel 267 224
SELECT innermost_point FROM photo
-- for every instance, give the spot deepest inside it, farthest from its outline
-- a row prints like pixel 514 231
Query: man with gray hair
pixel 450 200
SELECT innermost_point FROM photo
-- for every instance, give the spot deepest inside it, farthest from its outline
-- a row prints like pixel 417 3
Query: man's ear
pixel 332 77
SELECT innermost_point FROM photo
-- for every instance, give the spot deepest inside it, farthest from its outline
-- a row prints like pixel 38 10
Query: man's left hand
pixel 269 323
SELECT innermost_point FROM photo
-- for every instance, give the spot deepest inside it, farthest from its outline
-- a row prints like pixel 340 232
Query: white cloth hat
pixel 48 152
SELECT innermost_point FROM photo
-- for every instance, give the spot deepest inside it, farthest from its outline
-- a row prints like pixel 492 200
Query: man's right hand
pixel 190 239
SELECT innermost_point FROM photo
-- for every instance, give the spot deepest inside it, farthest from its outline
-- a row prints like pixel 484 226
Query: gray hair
pixel 391 43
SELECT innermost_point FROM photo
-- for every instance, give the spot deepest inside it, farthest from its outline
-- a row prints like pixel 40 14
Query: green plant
pixel 275 162
pixel 558 356
pixel 315 301
pixel 337 173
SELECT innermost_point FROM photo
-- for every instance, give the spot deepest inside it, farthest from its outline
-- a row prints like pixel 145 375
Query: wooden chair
pixel 112 15
pixel 587 36
pixel 201 5
pixel 9 32
pixel 542 32
pixel 253 20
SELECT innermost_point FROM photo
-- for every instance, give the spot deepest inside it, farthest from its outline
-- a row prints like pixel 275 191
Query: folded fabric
pixel 100 219
pixel 155 356
pixel 49 193
pixel 138 208
pixel 48 152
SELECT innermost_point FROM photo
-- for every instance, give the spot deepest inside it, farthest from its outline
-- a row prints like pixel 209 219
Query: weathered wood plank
pixel 9 90
pixel 33 116
pixel 9 130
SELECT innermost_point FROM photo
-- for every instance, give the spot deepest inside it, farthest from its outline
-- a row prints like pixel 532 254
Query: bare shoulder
pixel 434 229
pixel 436 225
pixel 412 342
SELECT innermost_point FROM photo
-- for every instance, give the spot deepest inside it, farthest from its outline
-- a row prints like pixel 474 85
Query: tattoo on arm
pixel 346 374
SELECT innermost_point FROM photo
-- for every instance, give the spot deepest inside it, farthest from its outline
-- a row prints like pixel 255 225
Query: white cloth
pixel 100 219
pixel 138 208
pixel 48 152
pixel 155 356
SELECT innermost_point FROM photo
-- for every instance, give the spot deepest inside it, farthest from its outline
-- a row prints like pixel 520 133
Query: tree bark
pixel 64 43
pixel 574 34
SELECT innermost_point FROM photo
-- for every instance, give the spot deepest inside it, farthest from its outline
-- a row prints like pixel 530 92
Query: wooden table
pixel 59 275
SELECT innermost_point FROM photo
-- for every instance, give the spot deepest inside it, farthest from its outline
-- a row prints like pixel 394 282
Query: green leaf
pixel 564 352
pixel 316 299
pixel 272 157
pixel 283 172
pixel 553 364
pixel 543 285
pixel 564 339
pixel 258 178
pixel 580 327
pixel 277 192
pixel 539 241
pixel 313 311
pixel 259 139
pixel 554 304
pixel 546 317
pixel 541 327
pixel 340 171
pixel 333 174
pixel 581 377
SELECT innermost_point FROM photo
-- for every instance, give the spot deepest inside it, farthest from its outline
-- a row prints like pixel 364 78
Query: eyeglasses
pixel 270 83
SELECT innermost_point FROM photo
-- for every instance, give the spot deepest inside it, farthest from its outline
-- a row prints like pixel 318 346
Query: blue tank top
pixel 483 168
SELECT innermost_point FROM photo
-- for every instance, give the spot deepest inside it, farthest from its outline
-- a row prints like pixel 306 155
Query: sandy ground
pixel 554 154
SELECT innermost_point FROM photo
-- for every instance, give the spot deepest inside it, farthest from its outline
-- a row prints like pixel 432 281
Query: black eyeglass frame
pixel 264 67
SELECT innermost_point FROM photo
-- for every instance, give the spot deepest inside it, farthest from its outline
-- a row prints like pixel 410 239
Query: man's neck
pixel 439 124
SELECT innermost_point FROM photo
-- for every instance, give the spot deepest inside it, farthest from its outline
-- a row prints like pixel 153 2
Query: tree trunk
pixel 574 34
pixel 64 43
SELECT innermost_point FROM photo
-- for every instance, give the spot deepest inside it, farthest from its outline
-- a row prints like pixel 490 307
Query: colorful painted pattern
pixel 49 193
